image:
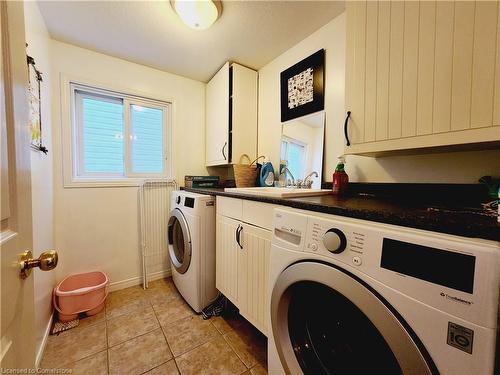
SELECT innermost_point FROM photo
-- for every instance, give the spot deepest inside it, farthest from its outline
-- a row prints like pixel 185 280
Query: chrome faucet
pixel 307 183
pixel 285 170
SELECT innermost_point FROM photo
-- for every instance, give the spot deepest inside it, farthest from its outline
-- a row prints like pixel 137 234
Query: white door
pixel 17 346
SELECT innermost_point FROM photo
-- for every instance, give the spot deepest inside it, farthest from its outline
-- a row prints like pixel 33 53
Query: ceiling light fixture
pixel 197 14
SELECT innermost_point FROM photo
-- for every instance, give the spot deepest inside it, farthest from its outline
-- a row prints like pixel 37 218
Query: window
pixel 117 136
pixel 294 152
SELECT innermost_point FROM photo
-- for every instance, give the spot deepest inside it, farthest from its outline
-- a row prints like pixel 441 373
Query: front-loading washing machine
pixel 191 247
pixel 348 296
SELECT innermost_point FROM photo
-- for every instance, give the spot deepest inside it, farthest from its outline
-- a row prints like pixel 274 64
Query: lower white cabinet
pixel 253 268
pixel 226 265
pixel 242 264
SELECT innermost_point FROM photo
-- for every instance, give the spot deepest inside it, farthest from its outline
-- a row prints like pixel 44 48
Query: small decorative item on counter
pixel 340 178
pixel 246 174
pixel 492 183
pixel 281 177
pixel 266 176
pixel 201 181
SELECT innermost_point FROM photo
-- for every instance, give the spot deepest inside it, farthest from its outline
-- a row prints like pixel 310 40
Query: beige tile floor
pixel 155 332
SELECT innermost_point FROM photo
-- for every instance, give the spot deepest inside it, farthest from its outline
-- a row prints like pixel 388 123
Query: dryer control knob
pixel 334 240
pixel 178 200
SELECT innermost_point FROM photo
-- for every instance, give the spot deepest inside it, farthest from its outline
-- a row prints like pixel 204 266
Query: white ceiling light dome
pixel 197 14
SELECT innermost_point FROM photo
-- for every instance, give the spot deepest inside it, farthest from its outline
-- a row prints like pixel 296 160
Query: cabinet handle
pixel 345 128
pixel 238 235
pixel 236 232
pixel 223 147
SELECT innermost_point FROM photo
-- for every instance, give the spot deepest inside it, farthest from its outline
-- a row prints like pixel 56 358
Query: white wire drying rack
pixel 154 207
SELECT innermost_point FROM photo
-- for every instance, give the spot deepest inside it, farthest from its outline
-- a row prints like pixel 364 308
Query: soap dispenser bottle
pixel 266 176
pixel 340 178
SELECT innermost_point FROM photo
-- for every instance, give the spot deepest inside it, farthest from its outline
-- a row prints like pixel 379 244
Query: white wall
pixel 456 167
pixel 97 228
pixel 38 41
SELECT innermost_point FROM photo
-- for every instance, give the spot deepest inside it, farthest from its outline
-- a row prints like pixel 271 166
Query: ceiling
pixel 251 33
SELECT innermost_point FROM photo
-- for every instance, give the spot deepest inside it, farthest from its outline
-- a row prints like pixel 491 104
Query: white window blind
pixel 101 136
pixel 118 136
pixel 147 139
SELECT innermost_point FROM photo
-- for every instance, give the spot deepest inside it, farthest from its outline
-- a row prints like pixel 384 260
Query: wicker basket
pixel 246 174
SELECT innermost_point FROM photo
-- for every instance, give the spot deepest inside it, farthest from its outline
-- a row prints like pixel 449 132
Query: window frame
pixel 72 136
pixel 287 140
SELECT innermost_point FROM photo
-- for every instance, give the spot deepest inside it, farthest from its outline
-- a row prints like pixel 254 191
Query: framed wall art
pixel 35 106
pixel 302 87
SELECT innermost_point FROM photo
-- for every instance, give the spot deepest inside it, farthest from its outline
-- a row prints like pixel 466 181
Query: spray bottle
pixel 340 178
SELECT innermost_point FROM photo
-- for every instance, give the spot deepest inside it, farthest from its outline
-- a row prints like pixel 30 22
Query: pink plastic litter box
pixel 80 293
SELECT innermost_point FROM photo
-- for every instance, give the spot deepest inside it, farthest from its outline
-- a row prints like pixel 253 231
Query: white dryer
pixel 350 296
pixel 191 247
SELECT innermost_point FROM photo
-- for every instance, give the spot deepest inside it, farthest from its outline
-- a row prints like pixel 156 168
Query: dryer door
pixel 179 241
pixel 326 321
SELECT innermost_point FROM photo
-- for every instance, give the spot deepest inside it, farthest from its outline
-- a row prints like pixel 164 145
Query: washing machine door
pixel 179 241
pixel 326 321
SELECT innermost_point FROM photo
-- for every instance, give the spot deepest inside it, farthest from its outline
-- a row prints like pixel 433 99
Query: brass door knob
pixel 46 261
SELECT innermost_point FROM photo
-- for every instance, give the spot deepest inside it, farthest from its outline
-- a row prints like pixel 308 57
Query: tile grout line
pixel 234 351
pixel 194 347
pixel 86 356
pixel 133 338
pixel 142 334
pixel 166 341
pixel 149 304
pixel 81 359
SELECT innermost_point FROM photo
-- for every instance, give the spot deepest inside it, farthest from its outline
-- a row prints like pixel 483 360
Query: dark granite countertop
pixel 461 221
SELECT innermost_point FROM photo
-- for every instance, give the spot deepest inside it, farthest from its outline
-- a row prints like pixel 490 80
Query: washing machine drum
pixel 326 322
pixel 179 241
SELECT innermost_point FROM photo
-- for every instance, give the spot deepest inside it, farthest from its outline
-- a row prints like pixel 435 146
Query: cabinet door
pixel 244 112
pixel 422 74
pixel 253 268
pixel 227 251
pixel 217 118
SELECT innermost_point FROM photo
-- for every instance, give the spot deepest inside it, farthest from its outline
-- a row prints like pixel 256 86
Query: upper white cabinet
pixel 217 118
pixel 422 74
pixel 231 115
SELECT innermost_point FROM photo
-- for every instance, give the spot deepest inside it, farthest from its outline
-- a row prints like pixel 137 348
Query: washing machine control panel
pixel 342 242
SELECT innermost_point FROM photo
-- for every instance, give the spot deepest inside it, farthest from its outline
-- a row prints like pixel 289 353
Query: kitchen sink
pixel 277 192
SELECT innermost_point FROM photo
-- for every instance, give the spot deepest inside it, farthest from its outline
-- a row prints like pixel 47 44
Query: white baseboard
pixel 41 349
pixel 122 284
